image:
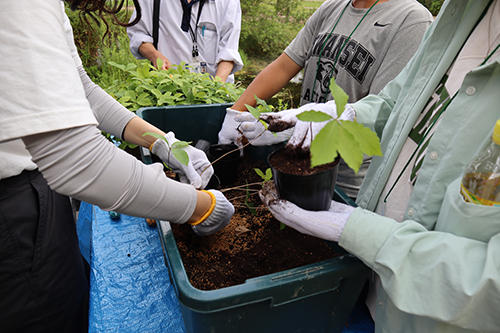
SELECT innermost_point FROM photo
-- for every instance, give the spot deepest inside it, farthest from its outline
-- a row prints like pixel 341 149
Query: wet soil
pixel 296 162
pixel 251 245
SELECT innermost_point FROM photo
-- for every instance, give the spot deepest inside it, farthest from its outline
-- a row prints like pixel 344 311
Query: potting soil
pixel 251 245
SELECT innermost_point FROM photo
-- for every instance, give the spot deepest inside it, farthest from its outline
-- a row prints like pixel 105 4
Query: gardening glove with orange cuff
pixel 197 172
pixel 322 224
pixel 217 217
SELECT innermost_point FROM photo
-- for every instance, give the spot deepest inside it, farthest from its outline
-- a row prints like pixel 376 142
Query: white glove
pixel 280 127
pixel 305 132
pixel 218 219
pixel 197 172
pixel 322 224
pixel 257 134
pixel 230 132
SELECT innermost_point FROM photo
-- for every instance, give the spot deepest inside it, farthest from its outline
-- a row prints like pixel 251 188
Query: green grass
pixel 311 4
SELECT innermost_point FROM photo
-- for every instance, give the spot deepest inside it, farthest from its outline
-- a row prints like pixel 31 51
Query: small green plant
pixel 267 176
pixel 176 149
pixel 147 86
pixel 348 139
pixel 262 107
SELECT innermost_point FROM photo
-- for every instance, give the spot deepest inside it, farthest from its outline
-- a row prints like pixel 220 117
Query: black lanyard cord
pixel 194 36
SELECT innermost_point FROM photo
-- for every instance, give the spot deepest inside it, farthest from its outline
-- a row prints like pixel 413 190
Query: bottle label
pixel 469 197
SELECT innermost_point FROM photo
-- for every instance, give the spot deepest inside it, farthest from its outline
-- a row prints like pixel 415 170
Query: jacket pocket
pixel 208 42
pixel 467 219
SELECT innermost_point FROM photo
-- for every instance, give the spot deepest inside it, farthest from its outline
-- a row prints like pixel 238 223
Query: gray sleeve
pixel 142 32
pixel 81 163
pixel 111 115
pixel 301 44
pixel 403 46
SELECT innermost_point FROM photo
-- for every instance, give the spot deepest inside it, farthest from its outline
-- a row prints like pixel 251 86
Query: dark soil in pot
pixel 309 188
pixel 251 245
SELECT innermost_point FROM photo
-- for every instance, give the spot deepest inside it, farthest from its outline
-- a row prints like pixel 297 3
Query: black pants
pixel 43 287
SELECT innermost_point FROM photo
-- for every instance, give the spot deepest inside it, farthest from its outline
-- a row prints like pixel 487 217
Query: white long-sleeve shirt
pixel 218 32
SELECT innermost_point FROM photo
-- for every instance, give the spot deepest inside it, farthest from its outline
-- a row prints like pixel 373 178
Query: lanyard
pixel 343 45
pixel 438 115
pixel 194 36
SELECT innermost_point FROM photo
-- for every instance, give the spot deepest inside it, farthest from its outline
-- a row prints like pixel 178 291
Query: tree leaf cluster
pixel 147 86
pixel 348 139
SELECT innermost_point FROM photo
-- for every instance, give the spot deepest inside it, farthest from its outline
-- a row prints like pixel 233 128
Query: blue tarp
pixel 130 289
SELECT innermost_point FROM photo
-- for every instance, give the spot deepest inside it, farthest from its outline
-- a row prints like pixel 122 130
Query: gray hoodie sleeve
pixel 81 163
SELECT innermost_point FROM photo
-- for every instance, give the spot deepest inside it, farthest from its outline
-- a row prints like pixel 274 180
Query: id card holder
pixel 195 65
pixel 198 66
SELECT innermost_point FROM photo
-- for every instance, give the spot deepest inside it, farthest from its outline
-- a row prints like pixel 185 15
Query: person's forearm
pixel 81 163
pixel 136 128
pixel 148 51
pixel 268 82
pixel 224 68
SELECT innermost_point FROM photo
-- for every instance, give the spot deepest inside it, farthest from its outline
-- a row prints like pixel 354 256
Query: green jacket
pixel 447 279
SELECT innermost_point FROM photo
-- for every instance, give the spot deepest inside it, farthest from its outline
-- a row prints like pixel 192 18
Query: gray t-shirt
pixel 377 51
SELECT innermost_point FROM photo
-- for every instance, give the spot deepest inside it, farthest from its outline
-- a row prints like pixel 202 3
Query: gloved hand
pixel 230 132
pixel 197 172
pixel 322 224
pixel 257 134
pixel 220 214
pixel 304 132
pixel 280 127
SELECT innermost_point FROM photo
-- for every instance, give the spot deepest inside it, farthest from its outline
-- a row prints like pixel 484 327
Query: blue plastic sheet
pixel 130 289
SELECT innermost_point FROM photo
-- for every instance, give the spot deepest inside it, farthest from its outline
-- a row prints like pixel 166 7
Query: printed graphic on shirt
pixel 423 129
pixel 354 59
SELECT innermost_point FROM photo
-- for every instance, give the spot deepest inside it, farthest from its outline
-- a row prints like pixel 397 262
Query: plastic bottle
pixel 481 181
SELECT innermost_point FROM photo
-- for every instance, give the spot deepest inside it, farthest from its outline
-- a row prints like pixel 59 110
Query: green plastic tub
pixel 312 298
pixel 188 122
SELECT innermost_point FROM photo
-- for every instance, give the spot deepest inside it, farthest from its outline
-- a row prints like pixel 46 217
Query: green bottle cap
pixel 496 133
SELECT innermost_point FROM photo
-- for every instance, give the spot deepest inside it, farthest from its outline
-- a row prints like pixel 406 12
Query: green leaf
pixel 282 226
pixel 253 111
pixel 259 172
pixel 339 96
pixel 368 140
pixel 155 135
pixel 180 144
pixel 349 149
pixel 260 101
pixel 314 116
pixel 159 63
pixel 181 156
pixel 324 146
pixel 269 174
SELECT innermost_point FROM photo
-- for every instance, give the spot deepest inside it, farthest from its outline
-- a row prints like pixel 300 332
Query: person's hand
pixel 165 62
pixel 279 130
pixel 257 134
pixel 197 172
pixel 220 214
pixel 322 224
pixel 304 132
pixel 230 132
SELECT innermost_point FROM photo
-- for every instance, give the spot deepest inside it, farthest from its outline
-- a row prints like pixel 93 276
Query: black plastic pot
pixel 310 192
pixel 225 170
